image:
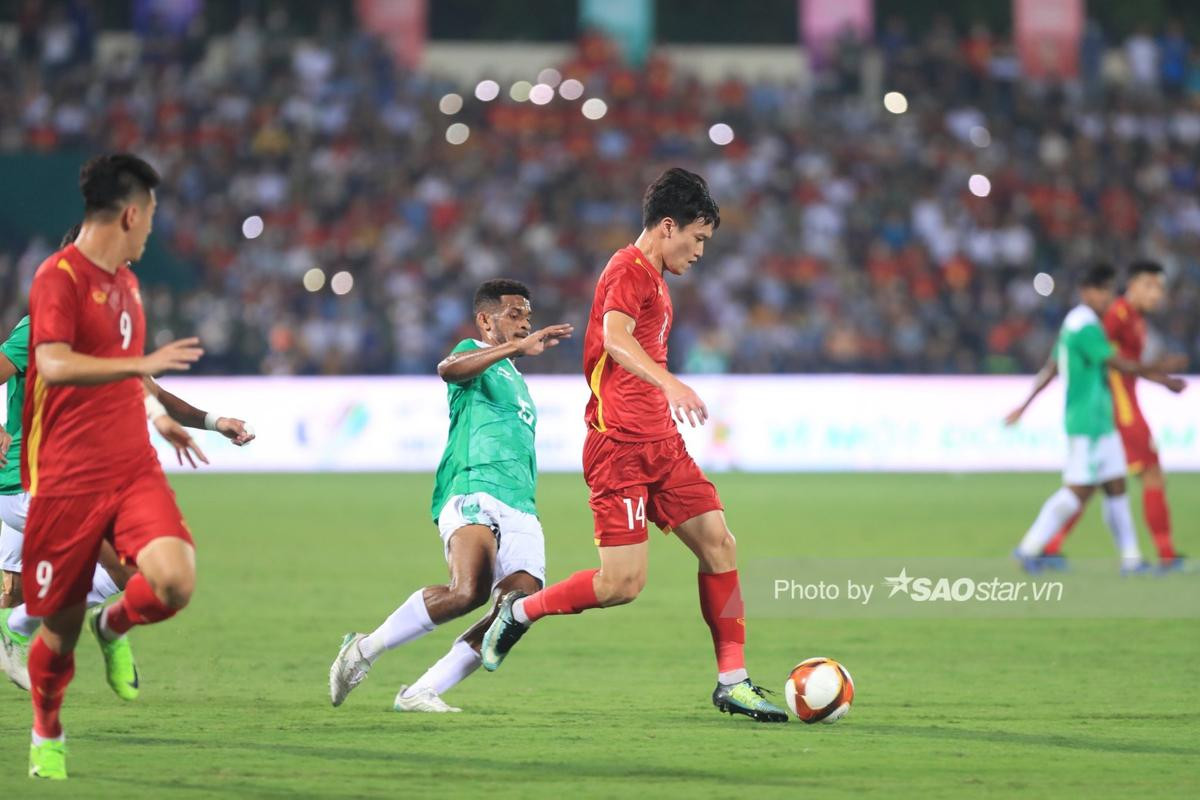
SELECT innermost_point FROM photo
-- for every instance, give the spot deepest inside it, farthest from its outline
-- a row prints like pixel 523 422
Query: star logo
pixel 899 583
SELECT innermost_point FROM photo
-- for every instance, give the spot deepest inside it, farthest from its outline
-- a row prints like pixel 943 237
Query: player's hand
pixel 1013 417
pixel 5 443
pixel 686 405
pixel 536 343
pixel 235 430
pixel 178 356
pixel 180 439
pixel 1175 384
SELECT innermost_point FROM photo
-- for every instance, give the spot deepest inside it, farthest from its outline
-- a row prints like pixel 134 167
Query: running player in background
pixel 1095 456
pixel 86 460
pixel 634 460
pixel 483 501
pixel 1126 328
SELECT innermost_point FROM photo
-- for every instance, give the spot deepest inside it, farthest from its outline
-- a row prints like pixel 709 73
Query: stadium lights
pixel 541 94
pixel 457 133
pixel 450 104
pixel 979 136
pixel 979 185
pixel 570 89
pixel 595 108
pixel 720 134
pixel 1043 284
pixel 252 227
pixel 520 91
pixel 549 76
pixel 895 102
pixel 314 279
pixel 487 90
pixel 342 282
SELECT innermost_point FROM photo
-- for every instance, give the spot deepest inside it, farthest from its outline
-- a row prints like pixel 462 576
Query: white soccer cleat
pixel 349 669
pixel 425 700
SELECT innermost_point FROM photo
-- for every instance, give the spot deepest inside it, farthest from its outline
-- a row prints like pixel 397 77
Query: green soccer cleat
pixel 48 760
pixel 502 634
pixel 746 698
pixel 119 667
pixel 14 652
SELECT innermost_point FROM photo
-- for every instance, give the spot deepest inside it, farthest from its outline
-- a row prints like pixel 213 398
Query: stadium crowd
pixel 849 239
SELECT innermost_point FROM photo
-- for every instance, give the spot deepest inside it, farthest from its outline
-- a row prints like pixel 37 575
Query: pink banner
pixel 1047 33
pixel 823 22
pixel 400 23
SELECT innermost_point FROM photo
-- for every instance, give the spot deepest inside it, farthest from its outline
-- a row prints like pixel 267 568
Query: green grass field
pixel 615 703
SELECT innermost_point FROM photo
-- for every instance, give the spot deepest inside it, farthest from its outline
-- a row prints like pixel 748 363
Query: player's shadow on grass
pixel 1032 740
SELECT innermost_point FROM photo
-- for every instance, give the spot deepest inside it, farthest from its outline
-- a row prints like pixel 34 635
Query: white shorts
pixel 13 510
pixel 520 545
pixel 1092 460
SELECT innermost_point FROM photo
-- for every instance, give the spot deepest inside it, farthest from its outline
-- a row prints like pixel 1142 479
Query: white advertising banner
pixel 758 423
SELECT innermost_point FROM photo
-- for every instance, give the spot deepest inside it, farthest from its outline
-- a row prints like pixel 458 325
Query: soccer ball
pixel 819 690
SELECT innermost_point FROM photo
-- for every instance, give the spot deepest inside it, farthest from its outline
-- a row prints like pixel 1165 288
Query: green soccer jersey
pixel 490 446
pixel 1082 351
pixel 16 350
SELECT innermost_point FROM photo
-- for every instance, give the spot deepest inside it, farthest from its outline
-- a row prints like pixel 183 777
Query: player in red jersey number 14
pixel 634 459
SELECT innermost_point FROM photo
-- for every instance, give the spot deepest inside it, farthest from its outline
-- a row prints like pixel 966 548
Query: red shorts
pixel 63 536
pixel 1140 452
pixel 632 482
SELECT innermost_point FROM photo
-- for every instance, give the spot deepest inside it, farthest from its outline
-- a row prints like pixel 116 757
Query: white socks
pixel 732 677
pixel 1059 508
pixel 448 672
pixel 1119 519
pixel 409 621
pixel 518 612
pixel 102 588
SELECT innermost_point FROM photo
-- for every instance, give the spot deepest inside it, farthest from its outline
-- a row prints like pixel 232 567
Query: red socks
pixel 138 606
pixel 1054 546
pixel 49 674
pixel 722 607
pixel 570 596
pixel 1158 518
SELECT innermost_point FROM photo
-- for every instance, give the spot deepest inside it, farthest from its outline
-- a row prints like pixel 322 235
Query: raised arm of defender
pixel 623 346
pixel 462 367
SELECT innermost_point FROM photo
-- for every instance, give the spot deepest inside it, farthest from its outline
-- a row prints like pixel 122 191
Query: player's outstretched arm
pixel 172 431
pixel 462 367
pixel 1151 372
pixel 1044 377
pixel 58 364
pixel 623 346
pixel 233 429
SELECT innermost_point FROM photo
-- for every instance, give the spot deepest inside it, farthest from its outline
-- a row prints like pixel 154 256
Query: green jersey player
pixel 483 500
pixel 1095 456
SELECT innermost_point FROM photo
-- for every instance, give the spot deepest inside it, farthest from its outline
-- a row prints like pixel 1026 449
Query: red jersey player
pixel 1126 328
pixel 87 463
pixel 634 460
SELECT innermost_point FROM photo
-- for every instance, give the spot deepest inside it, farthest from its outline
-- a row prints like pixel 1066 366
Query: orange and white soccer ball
pixel 819 690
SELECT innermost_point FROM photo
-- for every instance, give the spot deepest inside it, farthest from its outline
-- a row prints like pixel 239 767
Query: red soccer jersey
pixel 1126 328
pixel 84 439
pixel 622 405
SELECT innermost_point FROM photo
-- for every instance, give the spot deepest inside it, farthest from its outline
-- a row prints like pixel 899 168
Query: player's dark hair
pixel 110 181
pixel 490 292
pixel 71 235
pixel 1099 276
pixel 681 195
pixel 1145 267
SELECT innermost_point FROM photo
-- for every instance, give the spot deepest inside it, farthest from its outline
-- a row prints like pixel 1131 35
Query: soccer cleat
pixel 1178 563
pixel 48 760
pixel 1135 567
pixel 349 669
pixel 1055 562
pixel 502 634
pixel 424 700
pixel 1031 564
pixel 746 698
pixel 14 652
pixel 119 667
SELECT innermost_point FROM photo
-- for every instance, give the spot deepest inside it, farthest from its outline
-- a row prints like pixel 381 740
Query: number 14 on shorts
pixel 636 511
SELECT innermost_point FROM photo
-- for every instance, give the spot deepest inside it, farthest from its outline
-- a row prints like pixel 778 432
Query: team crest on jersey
pixel 505 373
pixel 99 296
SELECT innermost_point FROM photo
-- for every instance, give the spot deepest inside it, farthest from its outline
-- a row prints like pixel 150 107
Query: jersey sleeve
pixel 465 345
pixel 16 346
pixel 1093 344
pixel 628 289
pixel 53 305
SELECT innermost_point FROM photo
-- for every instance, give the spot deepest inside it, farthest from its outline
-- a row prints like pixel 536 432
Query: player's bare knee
pixel 618 590
pixel 174 591
pixel 468 596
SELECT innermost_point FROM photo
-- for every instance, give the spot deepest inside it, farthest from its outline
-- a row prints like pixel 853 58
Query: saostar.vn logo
pixel 962 590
